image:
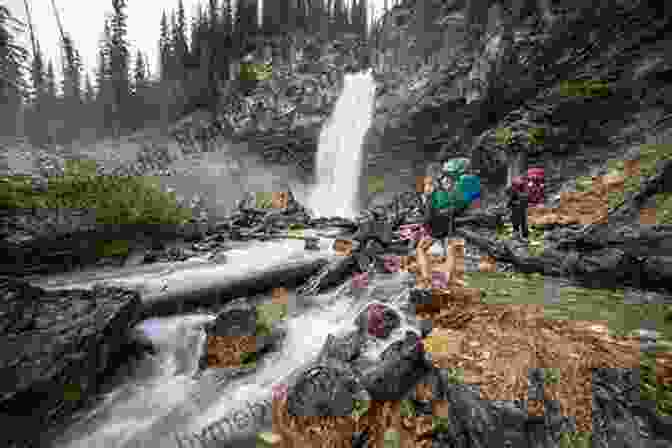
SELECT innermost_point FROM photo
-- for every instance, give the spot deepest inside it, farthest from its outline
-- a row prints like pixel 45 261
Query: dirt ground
pixel 495 345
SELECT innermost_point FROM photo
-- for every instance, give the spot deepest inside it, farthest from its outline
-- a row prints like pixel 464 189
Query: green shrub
pixel 552 375
pixel 504 136
pixel 440 424
pixel 407 408
pixel 575 440
pixel 650 389
pixel 360 408
pixel 248 358
pixel 115 200
pixel 536 136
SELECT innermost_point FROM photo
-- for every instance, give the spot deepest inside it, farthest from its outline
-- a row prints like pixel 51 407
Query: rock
pixel 400 366
pixel 325 390
pixel 378 320
pixel 344 348
pixel 56 346
pixel 360 439
pixel 238 318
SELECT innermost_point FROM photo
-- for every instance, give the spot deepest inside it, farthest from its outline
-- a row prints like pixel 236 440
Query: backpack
pixel 457 167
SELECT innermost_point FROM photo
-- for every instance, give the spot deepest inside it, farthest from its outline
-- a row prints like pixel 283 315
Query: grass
pixel 579 303
pixel 650 156
pixel 114 199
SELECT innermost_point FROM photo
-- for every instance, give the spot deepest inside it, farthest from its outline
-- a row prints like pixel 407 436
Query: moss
pixel 376 184
pixel 552 375
pixel 664 208
pixel 440 424
pixel 263 200
pixel 536 237
pixel 536 136
pixel 650 389
pixel 407 408
pixel 360 408
pixel 504 136
pixel 576 440
pixel 114 200
pixel 113 248
pixel 584 88
pixel 248 358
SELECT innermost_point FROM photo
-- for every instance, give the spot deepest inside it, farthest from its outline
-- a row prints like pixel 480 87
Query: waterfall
pixel 339 160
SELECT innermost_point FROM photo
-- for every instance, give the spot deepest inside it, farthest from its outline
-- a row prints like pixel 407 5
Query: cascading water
pixel 164 404
pixel 339 155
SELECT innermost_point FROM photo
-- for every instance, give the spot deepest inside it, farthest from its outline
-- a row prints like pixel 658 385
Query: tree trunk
pixel 220 287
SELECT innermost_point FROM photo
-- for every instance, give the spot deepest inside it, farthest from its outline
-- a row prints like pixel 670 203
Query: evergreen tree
pixel 89 93
pixel 180 40
pixel 37 73
pixel 72 73
pixel 50 82
pixel 119 64
pixel 164 47
pixel 174 60
pixel 12 84
pixel 139 72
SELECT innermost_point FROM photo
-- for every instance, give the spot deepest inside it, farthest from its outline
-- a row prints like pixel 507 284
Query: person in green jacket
pixel 440 214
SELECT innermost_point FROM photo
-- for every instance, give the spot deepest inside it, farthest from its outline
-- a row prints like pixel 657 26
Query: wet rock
pixel 344 348
pixel 325 390
pixel 400 367
pixel 360 439
pixel 238 318
pixel 56 345
pixel 378 320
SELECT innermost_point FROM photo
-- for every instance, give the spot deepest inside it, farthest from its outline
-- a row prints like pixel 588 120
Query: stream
pixel 163 400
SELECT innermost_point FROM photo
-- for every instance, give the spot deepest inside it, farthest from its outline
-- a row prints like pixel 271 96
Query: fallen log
pixel 480 219
pixel 550 262
pixel 604 267
pixel 183 291
pixel 331 274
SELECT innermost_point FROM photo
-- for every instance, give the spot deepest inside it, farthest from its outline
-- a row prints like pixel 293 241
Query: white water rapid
pixel 339 158
pixel 163 403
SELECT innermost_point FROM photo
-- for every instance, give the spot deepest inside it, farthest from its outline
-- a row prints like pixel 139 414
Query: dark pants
pixel 519 220
pixel 443 223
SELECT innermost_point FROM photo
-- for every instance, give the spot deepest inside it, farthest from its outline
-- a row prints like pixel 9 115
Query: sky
pixel 84 20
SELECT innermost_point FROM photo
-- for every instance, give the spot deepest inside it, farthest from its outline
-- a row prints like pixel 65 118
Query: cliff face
pixel 562 83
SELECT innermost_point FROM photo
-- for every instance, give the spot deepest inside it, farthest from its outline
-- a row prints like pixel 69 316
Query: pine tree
pixel 175 61
pixel 12 84
pixel 164 48
pixel 179 41
pixel 72 73
pixel 37 73
pixel 119 64
pixel 139 72
pixel 50 82
pixel 89 93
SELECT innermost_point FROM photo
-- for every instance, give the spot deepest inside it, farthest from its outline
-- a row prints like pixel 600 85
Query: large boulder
pixel 56 345
pixel 238 318
pixel 400 367
pixel 328 389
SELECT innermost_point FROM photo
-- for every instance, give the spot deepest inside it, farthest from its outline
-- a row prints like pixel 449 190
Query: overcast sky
pixel 84 20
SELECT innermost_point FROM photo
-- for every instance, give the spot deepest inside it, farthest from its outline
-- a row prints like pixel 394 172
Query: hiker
pixel 518 202
pixel 440 212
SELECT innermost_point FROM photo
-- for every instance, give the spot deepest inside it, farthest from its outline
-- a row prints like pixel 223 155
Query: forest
pixel 195 69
